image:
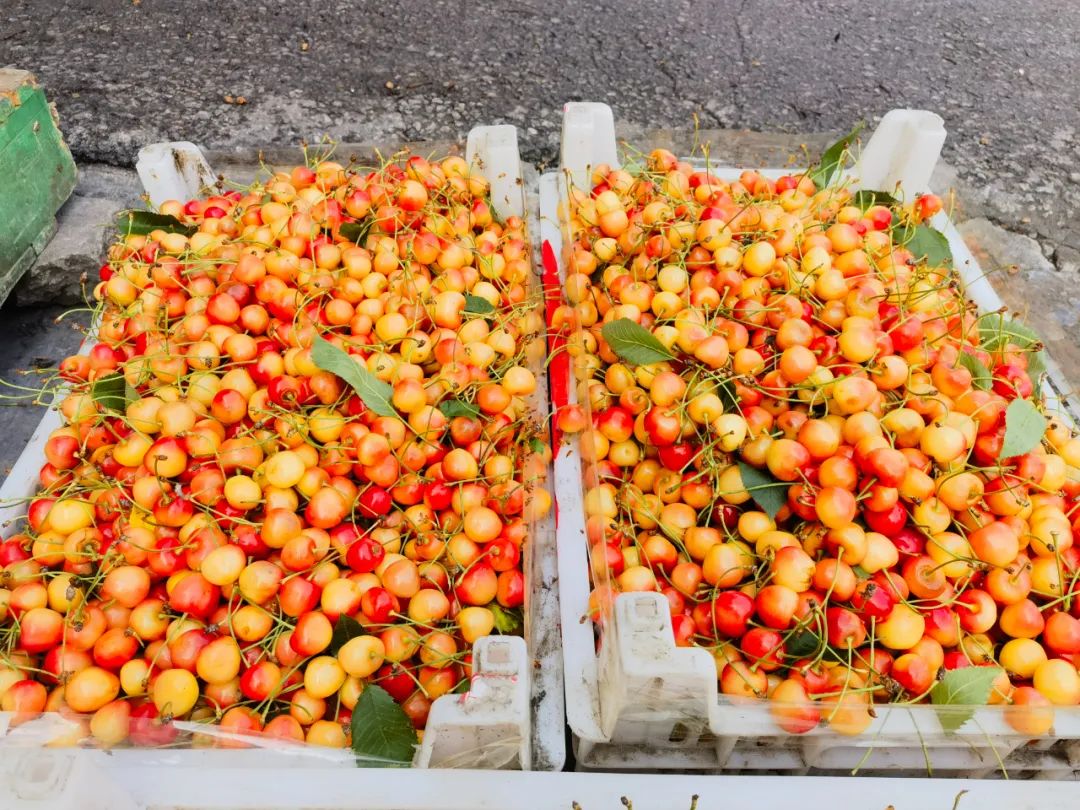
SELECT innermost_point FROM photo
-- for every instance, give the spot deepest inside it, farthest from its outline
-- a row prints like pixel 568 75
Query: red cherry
pixel 683 628
pixel 731 611
pixel 378 605
pixel 786 183
pixel 844 628
pixel 955 659
pixel 396 681
pixel 888 522
pixel 510 591
pixel 907 333
pixel 365 555
pixel 662 426
pixel 285 391
pixel 880 217
pixel 926 205
pixel 872 600
pixel 677 456
pixel 194 595
pixel 12 551
pixel 374 502
pixel 250 540
pixel 503 554
pixel 438 495
pixel 1012 382
pixel 763 647
pixel 148 729
pixel 908 542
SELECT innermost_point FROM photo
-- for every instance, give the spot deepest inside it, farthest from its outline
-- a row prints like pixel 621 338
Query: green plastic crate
pixel 37 174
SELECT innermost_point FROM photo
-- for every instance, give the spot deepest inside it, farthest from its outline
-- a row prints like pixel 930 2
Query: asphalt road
pixel 1004 75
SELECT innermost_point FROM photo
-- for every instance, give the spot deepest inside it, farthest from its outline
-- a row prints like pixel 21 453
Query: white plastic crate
pixel 635 701
pixel 512 716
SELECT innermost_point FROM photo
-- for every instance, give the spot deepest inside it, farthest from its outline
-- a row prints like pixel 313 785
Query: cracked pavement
pixel 1005 77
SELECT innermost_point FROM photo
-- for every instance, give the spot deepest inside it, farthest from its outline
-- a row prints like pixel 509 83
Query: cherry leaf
pixel 477 305
pixel 925 244
pixel 963 690
pixel 995 332
pixel 113 392
pixel 382 734
pixel 507 620
pixel 634 343
pixel 355 231
pixel 462 687
pixel 865 198
pixel 346 628
pixel 802 644
pixel 1024 428
pixel 980 374
pixel 458 407
pixel 375 393
pixel 726 391
pixel 766 491
pixel 832 159
pixel 143 223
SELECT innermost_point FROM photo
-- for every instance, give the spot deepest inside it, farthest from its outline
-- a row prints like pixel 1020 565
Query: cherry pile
pixel 798 430
pixel 298 463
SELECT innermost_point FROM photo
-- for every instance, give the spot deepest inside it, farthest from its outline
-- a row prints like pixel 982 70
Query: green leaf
pixel 925 244
pixel 1024 428
pixel 980 374
pixel 861 572
pixel 381 731
pixel 865 198
pixel 507 620
pixel 462 687
pixel 1035 370
pixel 832 160
pixel 766 491
pixel 355 231
pixel 113 392
pixel 477 305
pixel 346 628
pixel 726 391
pixel 457 407
pixel 374 392
pixel 142 223
pixel 537 445
pixel 995 332
pixel 634 343
pixel 966 688
pixel 802 644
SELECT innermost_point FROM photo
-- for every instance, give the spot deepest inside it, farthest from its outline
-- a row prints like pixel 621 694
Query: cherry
pixel 731 611
pixel 364 555
pixel 872 601
pixel 396 681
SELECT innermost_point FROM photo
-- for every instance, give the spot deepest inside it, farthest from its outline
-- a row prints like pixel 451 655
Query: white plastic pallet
pixel 512 716
pixel 641 703
pixel 92 781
